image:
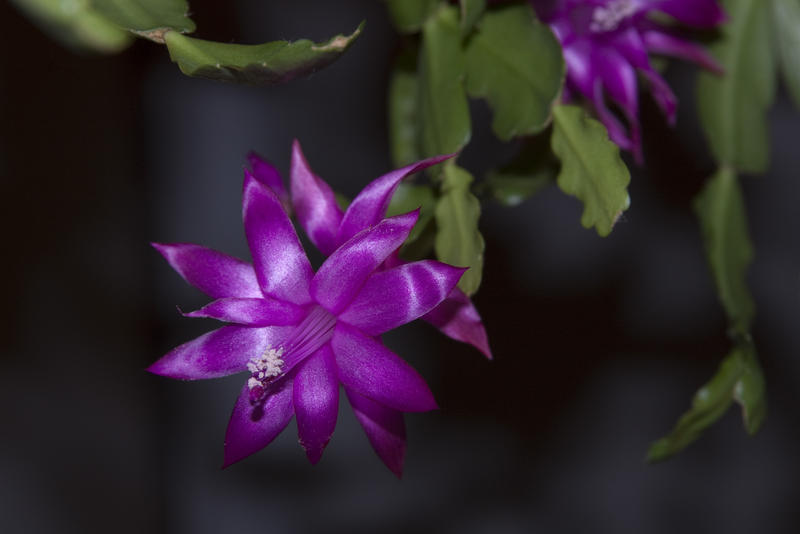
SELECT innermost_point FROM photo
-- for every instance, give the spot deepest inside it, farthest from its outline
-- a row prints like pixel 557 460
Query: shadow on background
pixel 599 343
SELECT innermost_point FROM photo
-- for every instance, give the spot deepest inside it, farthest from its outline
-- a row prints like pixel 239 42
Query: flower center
pixel 311 334
pixel 607 18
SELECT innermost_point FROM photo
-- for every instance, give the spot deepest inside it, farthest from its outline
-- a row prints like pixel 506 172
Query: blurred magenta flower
pixel 300 334
pixel 606 42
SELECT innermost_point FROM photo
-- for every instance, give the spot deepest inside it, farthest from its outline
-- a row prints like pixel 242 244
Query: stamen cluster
pixel 263 370
pixel 607 18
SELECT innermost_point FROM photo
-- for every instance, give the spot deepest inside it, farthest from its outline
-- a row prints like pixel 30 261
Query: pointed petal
pixel 372 370
pixel 663 43
pixel 214 273
pixel 553 15
pixel 369 206
pixel 316 401
pixel 262 311
pixel 580 71
pixel 616 131
pixel 399 295
pixel 623 90
pixel 384 428
pixel 281 264
pixel 662 94
pixel 619 79
pixel 267 174
pixel 346 270
pixel 250 428
pixel 457 318
pixel 314 203
pixel 218 353
pixel 696 13
pixel 393 260
pixel 629 43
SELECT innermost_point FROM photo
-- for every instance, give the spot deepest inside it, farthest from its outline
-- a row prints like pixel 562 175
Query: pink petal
pixel 315 204
pixel 561 25
pixel 218 353
pixel 345 271
pixel 262 311
pixel 399 295
pixel 264 172
pixel 632 47
pixel 214 273
pixel 457 318
pixel 662 43
pixel 629 43
pixel 316 401
pixel 385 430
pixel 372 370
pixel 251 428
pixel 696 13
pixel 619 80
pixel 281 265
pixel 616 131
pixel 580 71
pixel 662 94
pixel 370 205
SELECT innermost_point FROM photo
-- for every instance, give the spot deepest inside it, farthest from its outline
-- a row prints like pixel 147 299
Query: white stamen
pixel 268 365
pixel 608 18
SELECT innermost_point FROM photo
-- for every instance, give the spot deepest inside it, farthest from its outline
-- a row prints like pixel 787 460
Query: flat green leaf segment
pixel 591 168
pixel 147 18
pixel 471 11
pixel 76 25
pixel 739 378
pixel 403 105
pixel 409 197
pixel 444 125
pixel 720 208
pixel 515 62
pixel 408 16
pixel 786 23
pixel 512 189
pixel 458 241
pixel 104 26
pixel 733 107
pixel 264 64
pixel 534 168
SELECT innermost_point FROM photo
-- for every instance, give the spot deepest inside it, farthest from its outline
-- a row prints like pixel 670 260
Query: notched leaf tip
pixel 156 35
pixel 338 43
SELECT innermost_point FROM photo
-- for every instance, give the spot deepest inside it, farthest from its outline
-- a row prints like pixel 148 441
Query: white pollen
pixel 266 366
pixel 608 18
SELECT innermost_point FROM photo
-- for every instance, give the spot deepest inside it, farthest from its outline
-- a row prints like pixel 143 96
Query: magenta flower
pixel 299 334
pixel 329 227
pixel 606 42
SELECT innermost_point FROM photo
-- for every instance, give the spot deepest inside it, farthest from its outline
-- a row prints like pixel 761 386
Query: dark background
pixel 599 343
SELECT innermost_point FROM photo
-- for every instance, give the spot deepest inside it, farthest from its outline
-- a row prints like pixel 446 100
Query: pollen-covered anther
pixel 263 369
pixel 607 18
